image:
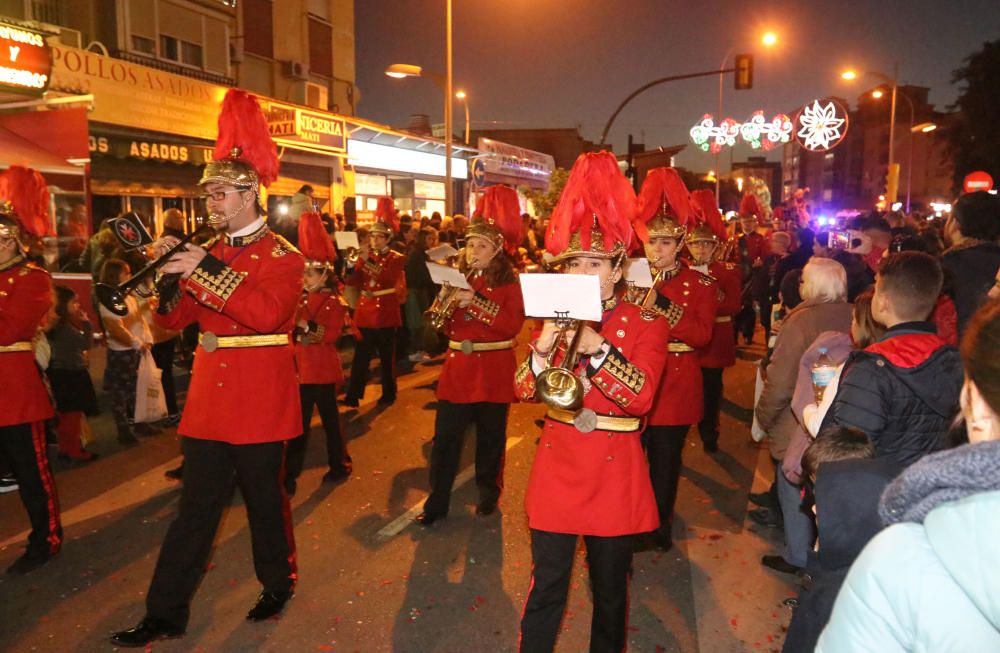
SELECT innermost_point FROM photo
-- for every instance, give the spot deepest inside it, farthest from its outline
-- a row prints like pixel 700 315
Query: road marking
pixel 397 525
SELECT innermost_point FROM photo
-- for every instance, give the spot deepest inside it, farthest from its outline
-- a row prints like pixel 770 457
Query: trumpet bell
pixel 112 298
pixel 559 388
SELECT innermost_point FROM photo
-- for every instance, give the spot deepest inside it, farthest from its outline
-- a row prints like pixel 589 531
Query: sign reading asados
pixel 303 129
pixel 25 59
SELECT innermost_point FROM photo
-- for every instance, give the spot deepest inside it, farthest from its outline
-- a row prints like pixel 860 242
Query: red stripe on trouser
pixel 524 608
pixel 286 513
pixel 48 484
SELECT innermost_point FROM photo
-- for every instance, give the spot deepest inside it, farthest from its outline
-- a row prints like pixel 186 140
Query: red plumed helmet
pixel 750 206
pixel 595 211
pixel 707 213
pixel 664 205
pixel 314 242
pixel 498 219
pixel 26 198
pixel 245 154
pixel 386 217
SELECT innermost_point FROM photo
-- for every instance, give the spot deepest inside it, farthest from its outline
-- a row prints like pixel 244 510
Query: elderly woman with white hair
pixel 824 307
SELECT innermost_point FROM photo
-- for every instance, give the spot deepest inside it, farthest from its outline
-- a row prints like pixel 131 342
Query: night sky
pixel 564 63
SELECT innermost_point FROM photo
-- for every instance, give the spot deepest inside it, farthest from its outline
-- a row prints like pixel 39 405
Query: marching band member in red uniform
pixel 242 404
pixel 703 241
pixel 477 382
pixel 380 276
pixel 748 254
pixel 25 299
pixel 320 321
pixel 589 476
pixel 687 299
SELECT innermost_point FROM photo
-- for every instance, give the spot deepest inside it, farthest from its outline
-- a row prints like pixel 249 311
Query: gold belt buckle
pixel 209 341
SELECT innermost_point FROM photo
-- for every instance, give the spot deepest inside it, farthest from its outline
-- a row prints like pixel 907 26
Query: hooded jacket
pixel 927 585
pixel 847 518
pixel 901 391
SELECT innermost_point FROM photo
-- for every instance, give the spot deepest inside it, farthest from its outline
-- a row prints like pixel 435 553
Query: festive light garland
pixel 821 125
pixel 818 127
pixel 711 137
pixel 761 134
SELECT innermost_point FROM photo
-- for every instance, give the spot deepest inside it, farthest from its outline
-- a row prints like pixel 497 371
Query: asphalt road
pixel 370 580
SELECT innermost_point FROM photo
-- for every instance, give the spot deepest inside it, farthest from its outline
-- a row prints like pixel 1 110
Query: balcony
pixel 175 68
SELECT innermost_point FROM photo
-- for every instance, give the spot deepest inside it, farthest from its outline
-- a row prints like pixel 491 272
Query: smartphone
pixel 839 240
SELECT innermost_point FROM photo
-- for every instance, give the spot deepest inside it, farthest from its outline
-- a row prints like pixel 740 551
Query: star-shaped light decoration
pixel 821 126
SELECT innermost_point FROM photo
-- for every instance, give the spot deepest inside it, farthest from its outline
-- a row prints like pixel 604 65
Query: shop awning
pixel 16 150
pixel 52 142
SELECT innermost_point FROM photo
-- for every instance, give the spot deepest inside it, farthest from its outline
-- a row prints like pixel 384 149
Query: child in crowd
pixel 127 337
pixel 70 335
pixel 903 389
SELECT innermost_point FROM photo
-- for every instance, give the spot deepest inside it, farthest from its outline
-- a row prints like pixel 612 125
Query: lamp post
pixel 403 70
pixel 892 175
pixel 461 95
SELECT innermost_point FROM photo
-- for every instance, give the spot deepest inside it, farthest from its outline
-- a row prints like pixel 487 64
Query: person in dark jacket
pixel 847 484
pixel 903 390
pixel 972 260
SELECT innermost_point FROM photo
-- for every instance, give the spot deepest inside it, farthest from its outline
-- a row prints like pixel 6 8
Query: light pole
pixel 892 171
pixel 461 95
pixel 768 40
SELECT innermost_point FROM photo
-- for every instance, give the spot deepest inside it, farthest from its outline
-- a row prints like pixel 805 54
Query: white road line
pixel 397 525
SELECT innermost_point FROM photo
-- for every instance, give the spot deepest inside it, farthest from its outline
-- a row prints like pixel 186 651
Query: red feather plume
pixel 750 205
pixel 662 185
pixel 242 124
pixel 596 187
pixel 500 206
pixel 314 242
pixel 704 204
pixel 385 211
pixel 26 190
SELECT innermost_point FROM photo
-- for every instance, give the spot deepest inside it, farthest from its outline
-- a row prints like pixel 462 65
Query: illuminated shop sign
pixel 25 59
pixel 383 157
pixel 306 130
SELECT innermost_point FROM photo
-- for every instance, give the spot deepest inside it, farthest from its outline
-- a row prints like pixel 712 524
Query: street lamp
pixel 924 127
pixel 465 101
pixel 768 40
pixel 893 168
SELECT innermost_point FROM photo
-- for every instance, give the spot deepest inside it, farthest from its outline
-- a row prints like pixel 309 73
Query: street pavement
pixel 371 580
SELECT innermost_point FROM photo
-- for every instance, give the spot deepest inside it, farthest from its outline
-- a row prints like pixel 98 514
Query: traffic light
pixel 743 77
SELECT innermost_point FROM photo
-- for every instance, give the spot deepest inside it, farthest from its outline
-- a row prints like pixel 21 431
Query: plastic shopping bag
pixel 150 404
pixel 756 432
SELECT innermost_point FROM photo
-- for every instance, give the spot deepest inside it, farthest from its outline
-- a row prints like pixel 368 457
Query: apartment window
pixel 258 27
pixel 45 11
pixel 143 45
pixel 320 47
pixel 189 54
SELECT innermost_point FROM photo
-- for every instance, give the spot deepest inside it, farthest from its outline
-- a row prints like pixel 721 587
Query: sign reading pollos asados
pixel 25 59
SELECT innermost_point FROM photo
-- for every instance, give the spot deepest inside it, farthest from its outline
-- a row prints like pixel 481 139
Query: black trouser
pixel 491 444
pixel 163 355
pixel 711 385
pixel 23 450
pixel 384 340
pixel 744 322
pixel 610 562
pixel 664 446
pixel 324 397
pixel 210 469
pixel 404 343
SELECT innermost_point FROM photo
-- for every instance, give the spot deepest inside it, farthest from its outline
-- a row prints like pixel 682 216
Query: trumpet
pixel 557 385
pixel 444 304
pixel 112 297
pixel 351 256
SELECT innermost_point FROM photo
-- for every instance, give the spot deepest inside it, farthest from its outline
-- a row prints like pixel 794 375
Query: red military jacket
pixel 721 350
pixel 597 483
pixel 382 283
pixel 246 286
pixel 496 314
pixel 326 314
pixel 25 300
pixel 691 313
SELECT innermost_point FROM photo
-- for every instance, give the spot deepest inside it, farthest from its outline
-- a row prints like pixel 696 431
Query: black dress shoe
pixel 290 487
pixel 386 401
pixel 350 402
pixel 268 605
pixel 28 562
pixel 763 499
pixel 427 518
pixel 765 517
pixel 779 564
pixel 663 542
pixel 337 475
pixel 711 447
pixel 148 630
pixel 486 508
pixel 176 474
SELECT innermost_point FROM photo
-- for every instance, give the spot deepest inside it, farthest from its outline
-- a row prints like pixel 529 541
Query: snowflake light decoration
pixel 820 127
pixel 761 134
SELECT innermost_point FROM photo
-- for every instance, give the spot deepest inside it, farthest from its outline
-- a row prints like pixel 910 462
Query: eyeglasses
pixel 219 195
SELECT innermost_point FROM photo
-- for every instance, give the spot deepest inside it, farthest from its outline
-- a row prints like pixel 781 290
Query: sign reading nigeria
pixel 25 60
pixel 303 129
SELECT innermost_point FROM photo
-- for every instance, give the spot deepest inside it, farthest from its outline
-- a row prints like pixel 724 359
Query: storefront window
pixel 72 227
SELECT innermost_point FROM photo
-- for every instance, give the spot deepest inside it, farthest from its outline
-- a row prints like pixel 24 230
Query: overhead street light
pixel 892 170
pixel 924 128
pixel 461 95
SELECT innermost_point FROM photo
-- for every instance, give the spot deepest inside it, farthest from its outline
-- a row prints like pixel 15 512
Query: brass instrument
pixel 557 385
pixel 112 297
pixel 444 305
pixel 351 256
pixel 650 297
